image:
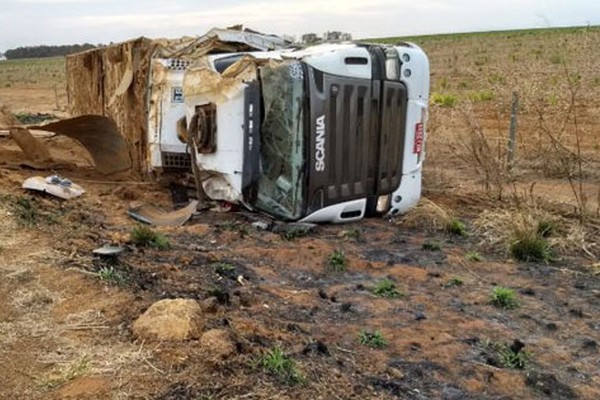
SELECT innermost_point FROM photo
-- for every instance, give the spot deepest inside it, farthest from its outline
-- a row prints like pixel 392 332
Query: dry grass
pixel 502 228
pixel 428 215
pixel 432 217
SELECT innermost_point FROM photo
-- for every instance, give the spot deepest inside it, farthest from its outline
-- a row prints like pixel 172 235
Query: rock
pixel 170 319
pixel 261 225
pixel 451 393
pixel 590 344
pixel 218 343
pixel 210 305
pixel 420 316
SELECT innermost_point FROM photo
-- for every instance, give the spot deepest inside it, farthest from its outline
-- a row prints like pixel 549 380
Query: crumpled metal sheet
pixel 218 40
pixel 215 87
pixel 54 185
pixel 153 215
pixel 100 137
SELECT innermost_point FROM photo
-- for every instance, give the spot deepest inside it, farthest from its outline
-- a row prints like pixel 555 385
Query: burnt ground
pixel 443 338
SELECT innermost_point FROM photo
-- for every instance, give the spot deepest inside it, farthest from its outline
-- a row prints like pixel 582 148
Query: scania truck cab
pixel 328 133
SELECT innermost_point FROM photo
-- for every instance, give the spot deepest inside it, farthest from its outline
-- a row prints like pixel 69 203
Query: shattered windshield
pixel 280 186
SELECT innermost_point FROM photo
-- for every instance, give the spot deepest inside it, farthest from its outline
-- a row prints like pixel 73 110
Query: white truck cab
pixel 328 133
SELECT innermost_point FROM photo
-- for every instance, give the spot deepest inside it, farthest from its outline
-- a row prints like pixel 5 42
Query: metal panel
pixel 347 107
pixel 393 127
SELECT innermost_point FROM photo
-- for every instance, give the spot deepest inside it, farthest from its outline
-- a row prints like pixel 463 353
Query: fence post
pixel 512 139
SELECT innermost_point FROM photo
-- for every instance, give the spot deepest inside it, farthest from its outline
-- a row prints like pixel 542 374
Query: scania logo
pixel 320 144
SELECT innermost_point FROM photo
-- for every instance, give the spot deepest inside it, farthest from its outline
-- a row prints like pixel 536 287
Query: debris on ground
pixel 54 185
pixel 153 215
pixel 33 148
pixel 170 319
pixel 108 251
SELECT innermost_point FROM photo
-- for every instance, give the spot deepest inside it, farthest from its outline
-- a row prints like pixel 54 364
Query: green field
pixel 42 72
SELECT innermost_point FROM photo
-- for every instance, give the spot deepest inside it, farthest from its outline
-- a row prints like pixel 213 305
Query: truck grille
pixel 178 161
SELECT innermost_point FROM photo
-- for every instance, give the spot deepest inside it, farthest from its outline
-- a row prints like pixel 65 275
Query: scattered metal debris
pixel 150 214
pixel 54 185
pixel 108 250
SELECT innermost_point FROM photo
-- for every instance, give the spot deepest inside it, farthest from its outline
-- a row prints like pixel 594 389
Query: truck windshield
pixel 280 186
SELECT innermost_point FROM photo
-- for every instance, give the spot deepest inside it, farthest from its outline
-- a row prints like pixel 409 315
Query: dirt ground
pixel 66 325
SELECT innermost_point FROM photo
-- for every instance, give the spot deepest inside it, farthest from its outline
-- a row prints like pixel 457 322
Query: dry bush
pixel 502 228
pixel 556 76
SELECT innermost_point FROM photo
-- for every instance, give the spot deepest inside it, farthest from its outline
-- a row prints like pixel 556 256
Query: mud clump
pixel 217 343
pixel 171 319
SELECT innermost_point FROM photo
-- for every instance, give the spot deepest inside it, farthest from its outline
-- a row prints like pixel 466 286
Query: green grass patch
pixel 336 261
pixel 372 339
pixel 223 268
pixel 504 298
pixel 454 282
pixel 278 364
pixel 387 288
pixel 509 356
pixel 444 100
pixel 456 227
pixel 293 233
pixel 112 276
pixel 28 212
pixel 351 233
pixel 546 228
pixel 484 95
pixel 531 247
pixel 432 245
pixel 474 256
pixel 144 236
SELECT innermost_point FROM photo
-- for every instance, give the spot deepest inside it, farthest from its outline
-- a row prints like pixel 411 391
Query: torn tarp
pixel 150 214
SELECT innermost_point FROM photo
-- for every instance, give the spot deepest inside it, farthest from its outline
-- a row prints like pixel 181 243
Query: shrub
pixel 530 246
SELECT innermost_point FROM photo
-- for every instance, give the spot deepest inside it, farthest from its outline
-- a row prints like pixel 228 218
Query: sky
pixel 52 22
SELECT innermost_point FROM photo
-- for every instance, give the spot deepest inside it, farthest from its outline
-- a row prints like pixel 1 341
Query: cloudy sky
pixel 32 22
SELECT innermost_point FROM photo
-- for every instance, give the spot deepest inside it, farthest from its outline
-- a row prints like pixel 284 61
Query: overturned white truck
pixel 329 133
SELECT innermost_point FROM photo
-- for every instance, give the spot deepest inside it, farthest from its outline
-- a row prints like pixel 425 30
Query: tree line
pixel 46 51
